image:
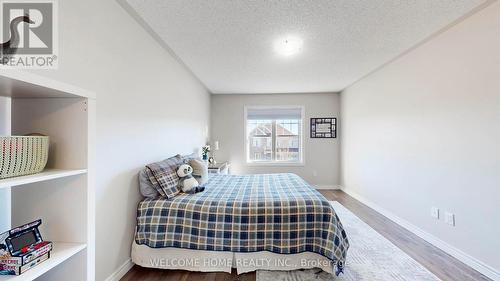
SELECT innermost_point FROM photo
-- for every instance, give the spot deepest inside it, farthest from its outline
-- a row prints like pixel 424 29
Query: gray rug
pixel 370 257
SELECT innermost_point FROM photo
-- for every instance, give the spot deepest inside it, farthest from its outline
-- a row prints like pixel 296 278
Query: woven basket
pixel 23 155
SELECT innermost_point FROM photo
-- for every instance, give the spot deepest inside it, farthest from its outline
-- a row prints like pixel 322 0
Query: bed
pixel 249 222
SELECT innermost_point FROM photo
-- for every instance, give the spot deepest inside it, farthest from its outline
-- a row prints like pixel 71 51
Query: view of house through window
pixel 274 135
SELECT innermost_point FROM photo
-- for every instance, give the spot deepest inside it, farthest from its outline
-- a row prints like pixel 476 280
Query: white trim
pixel 302 161
pixel 326 187
pixel 476 264
pixel 121 271
pixel 274 164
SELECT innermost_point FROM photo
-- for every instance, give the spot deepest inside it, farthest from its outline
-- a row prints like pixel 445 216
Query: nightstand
pixel 219 168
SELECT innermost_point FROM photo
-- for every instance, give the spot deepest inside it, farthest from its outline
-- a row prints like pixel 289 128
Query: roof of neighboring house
pixel 265 130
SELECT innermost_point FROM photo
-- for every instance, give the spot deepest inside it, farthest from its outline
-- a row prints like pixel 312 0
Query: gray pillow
pixel 146 187
pixel 200 170
pixel 187 158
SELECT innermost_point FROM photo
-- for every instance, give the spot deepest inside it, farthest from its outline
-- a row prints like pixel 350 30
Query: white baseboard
pixel 332 187
pixel 476 264
pixel 121 271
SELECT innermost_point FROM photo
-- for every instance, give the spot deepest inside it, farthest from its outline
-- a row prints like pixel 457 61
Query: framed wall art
pixel 323 128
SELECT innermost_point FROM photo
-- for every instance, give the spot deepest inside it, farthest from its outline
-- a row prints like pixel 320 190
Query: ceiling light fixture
pixel 288 46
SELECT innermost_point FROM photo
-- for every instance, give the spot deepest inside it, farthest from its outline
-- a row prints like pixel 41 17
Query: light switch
pixel 435 212
pixel 449 218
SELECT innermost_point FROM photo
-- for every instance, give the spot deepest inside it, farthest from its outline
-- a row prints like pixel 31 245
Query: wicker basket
pixel 23 155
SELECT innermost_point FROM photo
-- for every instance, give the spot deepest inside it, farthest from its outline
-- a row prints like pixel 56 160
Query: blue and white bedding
pixel 279 213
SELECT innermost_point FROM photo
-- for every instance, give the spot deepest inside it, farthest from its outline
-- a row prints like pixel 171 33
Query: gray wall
pixel 321 155
pixel 149 107
pixel 425 131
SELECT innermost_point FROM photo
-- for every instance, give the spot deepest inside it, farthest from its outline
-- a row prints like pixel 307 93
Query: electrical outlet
pixel 449 218
pixel 435 212
pixel 315 173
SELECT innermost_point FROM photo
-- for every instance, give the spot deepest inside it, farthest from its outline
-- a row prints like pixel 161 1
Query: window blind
pixel 274 113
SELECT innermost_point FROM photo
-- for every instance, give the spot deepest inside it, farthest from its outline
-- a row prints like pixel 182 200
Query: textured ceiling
pixel 228 44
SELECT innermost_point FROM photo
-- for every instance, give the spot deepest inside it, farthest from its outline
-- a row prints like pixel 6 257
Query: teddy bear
pixel 187 182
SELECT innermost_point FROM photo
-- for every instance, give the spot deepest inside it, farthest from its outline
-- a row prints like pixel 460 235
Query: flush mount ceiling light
pixel 288 46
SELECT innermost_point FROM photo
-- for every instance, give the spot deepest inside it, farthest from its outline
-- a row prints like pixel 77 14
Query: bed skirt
pixel 217 261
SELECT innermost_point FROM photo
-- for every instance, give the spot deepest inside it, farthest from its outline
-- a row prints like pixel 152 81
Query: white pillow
pixel 200 170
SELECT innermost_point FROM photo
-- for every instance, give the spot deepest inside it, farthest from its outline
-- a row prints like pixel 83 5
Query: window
pixel 274 134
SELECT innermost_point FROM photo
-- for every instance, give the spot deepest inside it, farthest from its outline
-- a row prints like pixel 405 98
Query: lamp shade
pixel 216 145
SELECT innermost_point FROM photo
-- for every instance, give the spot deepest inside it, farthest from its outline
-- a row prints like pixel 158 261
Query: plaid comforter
pixel 279 213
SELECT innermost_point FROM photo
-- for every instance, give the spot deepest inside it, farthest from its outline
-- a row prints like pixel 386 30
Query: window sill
pixel 275 164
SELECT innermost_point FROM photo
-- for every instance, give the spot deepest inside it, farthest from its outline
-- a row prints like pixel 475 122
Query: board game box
pixel 22 248
pixel 18 270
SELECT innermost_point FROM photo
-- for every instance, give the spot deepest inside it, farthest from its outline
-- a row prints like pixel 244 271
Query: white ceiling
pixel 228 44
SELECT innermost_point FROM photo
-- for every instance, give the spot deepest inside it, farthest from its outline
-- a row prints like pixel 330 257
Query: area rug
pixel 371 257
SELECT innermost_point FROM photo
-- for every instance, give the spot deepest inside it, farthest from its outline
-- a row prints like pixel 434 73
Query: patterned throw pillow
pixel 163 176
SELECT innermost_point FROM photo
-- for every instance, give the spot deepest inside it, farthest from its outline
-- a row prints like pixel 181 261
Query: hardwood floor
pixel 147 274
pixel 436 261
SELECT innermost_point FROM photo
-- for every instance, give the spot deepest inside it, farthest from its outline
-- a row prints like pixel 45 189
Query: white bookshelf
pixel 63 195
pixel 47 174
pixel 60 253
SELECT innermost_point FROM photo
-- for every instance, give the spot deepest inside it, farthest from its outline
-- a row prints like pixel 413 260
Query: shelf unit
pixel 63 195
pixel 45 175
pixel 61 252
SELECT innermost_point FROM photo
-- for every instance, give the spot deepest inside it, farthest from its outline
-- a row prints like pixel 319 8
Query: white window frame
pixel 274 162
